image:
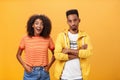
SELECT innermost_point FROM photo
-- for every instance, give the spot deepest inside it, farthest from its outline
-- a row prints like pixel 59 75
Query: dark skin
pixel 72 54
pixel 73 22
pixel 25 66
pixel 38 27
pixel 29 68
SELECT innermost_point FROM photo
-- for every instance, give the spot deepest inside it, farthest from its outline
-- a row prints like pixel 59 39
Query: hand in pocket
pixel 28 68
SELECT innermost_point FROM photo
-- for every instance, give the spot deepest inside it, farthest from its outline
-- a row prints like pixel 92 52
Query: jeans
pixel 38 73
pixel 71 79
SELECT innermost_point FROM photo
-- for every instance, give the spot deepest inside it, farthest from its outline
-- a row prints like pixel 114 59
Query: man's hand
pixel 65 50
pixel 71 56
pixel 70 51
pixel 84 46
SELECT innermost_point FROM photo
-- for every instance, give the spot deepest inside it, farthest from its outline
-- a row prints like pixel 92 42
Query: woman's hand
pixel 46 68
pixel 27 68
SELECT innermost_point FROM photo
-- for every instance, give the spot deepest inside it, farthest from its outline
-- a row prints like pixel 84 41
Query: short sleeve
pixel 22 43
pixel 51 44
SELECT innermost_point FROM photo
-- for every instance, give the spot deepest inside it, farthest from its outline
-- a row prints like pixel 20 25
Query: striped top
pixel 36 50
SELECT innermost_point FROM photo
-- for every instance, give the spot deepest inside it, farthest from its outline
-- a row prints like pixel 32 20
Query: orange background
pixel 99 18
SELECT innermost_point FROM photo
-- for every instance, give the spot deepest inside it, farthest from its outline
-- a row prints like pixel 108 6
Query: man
pixel 72 50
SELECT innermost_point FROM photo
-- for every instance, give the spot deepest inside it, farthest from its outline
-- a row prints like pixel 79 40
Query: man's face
pixel 73 21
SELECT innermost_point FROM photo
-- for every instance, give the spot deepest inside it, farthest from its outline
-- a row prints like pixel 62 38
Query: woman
pixel 36 44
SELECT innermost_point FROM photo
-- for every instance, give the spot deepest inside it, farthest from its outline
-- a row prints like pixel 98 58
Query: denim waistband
pixel 38 68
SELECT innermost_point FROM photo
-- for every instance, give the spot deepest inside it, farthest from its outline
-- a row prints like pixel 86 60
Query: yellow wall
pixel 99 18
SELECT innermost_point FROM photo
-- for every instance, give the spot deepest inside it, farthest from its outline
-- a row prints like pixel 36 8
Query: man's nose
pixel 73 23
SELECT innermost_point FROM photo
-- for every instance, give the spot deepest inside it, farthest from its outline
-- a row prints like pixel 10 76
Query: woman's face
pixel 38 27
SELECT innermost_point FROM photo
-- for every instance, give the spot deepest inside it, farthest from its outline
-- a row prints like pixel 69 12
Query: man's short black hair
pixel 72 11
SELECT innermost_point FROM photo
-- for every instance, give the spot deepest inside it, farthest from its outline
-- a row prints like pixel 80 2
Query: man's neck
pixel 73 31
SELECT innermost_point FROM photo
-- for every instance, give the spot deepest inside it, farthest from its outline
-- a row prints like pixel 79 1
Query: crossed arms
pixel 72 53
pixel 64 54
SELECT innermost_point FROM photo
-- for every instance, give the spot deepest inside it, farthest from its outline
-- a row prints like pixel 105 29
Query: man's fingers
pixel 84 46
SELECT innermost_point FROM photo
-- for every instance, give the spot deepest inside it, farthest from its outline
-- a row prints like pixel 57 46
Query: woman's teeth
pixel 37 29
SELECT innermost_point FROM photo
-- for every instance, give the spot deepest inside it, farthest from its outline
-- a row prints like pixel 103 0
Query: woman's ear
pixel 32 26
pixel 79 20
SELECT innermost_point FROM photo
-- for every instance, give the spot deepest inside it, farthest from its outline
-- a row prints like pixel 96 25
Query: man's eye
pixel 75 20
pixel 69 21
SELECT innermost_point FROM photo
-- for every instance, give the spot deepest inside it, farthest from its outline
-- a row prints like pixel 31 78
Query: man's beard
pixel 74 29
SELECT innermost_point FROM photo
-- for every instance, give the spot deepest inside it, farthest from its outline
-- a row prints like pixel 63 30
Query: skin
pixel 73 22
pixel 38 27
